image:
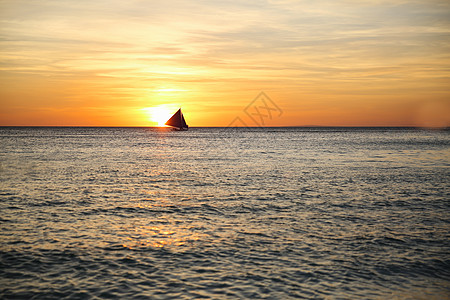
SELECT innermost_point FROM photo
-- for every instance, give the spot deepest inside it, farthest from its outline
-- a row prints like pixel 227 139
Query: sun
pixel 158 115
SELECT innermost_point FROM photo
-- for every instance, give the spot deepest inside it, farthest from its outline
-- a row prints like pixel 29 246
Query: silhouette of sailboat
pixel 177 121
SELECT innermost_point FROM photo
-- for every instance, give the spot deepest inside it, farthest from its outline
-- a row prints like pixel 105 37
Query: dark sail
pixel 183 122
pixel 177 121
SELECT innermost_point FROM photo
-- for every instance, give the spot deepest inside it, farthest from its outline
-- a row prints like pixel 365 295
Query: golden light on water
pixel 160 236
pixel 170 234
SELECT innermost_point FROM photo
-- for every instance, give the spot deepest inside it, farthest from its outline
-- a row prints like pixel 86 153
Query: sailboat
pixel 177 121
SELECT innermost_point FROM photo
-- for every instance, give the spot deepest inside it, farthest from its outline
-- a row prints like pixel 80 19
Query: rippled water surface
pixel 220 213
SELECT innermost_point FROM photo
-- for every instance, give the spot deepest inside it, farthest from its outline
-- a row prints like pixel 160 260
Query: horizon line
pixel 233 127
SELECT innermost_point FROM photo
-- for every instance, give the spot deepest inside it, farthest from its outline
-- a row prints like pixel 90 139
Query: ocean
pixel 224 213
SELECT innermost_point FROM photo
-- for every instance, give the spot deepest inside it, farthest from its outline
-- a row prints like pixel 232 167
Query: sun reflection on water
pixel 160 231
pixel 160 236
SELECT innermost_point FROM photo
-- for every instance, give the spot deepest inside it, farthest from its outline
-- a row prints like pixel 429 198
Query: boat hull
pixel 179 129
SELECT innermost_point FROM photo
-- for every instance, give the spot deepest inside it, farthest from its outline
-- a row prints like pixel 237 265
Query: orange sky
pixel 335 63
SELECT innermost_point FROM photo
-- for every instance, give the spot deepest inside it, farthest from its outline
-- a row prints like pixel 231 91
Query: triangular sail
pixel 183 122
pixel 177 120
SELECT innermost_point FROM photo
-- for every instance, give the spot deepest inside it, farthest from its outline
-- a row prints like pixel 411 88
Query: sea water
pixel 224 213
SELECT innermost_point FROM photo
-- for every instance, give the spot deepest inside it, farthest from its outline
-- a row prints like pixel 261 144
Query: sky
pixel 225 63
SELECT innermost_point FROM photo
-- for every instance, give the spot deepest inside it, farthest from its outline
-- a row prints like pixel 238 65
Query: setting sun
pixel 158 115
